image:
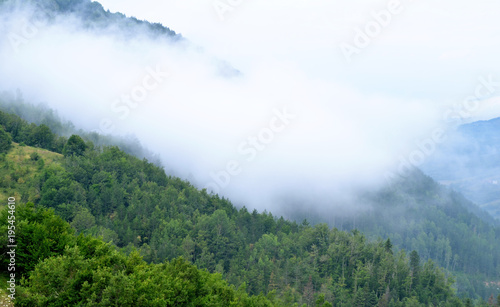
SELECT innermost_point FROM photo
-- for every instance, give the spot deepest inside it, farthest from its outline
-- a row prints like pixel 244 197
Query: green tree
pixel 39 235
pixel 415 265
pixel 5 140
pixel 388 246
pixel 83 220
pixel 43 137
pixel 74 146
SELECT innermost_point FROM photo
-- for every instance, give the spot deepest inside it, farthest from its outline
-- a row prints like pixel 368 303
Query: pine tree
pixel 388 246
pixel 414 267
pixel 359 298
pixel 371 299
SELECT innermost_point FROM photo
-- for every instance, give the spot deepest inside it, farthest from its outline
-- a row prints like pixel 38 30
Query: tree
pixel 43 137
pixel 39 235
pixel 188 247
pixel 83 220
pixel 321 301
pixel 371 299
pixel 75 146
pixel 5 140
pixel 388 246
pixel 359 298
pixel 415 265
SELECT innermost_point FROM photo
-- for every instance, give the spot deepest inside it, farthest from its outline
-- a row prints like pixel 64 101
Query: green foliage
pixel 134 204
pixel 75 146
pixel 83 220
pixel 39 234
pixel 30 134
pixel 34 156
pixel 418 214
pixel 5 140
pixel 22 120
pixel 42 137
pixel 63 270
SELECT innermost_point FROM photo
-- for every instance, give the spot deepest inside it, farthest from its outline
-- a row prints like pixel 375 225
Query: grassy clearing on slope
pixel 18 171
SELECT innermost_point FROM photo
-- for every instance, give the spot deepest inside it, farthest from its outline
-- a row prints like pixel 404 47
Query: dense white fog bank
pixel 298 120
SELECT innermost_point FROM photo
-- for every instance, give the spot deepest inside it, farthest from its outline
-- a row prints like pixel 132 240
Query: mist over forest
pixel 261 142
pixel 336 139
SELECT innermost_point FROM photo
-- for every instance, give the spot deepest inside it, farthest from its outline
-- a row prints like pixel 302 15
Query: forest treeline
pixel 42 115
pixel 419 214
pixel 134 206
pixel 55 267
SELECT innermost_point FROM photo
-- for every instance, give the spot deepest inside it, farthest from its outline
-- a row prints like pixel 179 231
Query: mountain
pixel 134 205
pixel 469 162
pixel 71 182
pixel 417 213
pixel 92 15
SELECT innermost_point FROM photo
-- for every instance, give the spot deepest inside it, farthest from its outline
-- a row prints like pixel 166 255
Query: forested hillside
pixel 43 115
pixel 419 214
pixel 100 220
pixel 133 204
pixel 61 269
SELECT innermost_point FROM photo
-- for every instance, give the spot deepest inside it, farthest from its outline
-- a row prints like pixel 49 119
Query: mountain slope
pixel 66 270
pixel 469 162
pixel 132 203
pixel 93 16
pixel 105 192
pixel 417 213
pixel 19 169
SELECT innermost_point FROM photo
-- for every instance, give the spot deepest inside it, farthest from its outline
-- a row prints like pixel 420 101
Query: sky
pixel 331 97
pixel 426 50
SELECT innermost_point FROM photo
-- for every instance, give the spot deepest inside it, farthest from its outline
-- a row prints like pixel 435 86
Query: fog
pixel 294 121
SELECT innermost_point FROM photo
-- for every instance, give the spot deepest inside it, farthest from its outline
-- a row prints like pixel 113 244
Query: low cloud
pixel 222 128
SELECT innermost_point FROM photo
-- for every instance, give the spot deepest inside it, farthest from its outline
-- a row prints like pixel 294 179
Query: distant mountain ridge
pixel 469 162
pixel 93 16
